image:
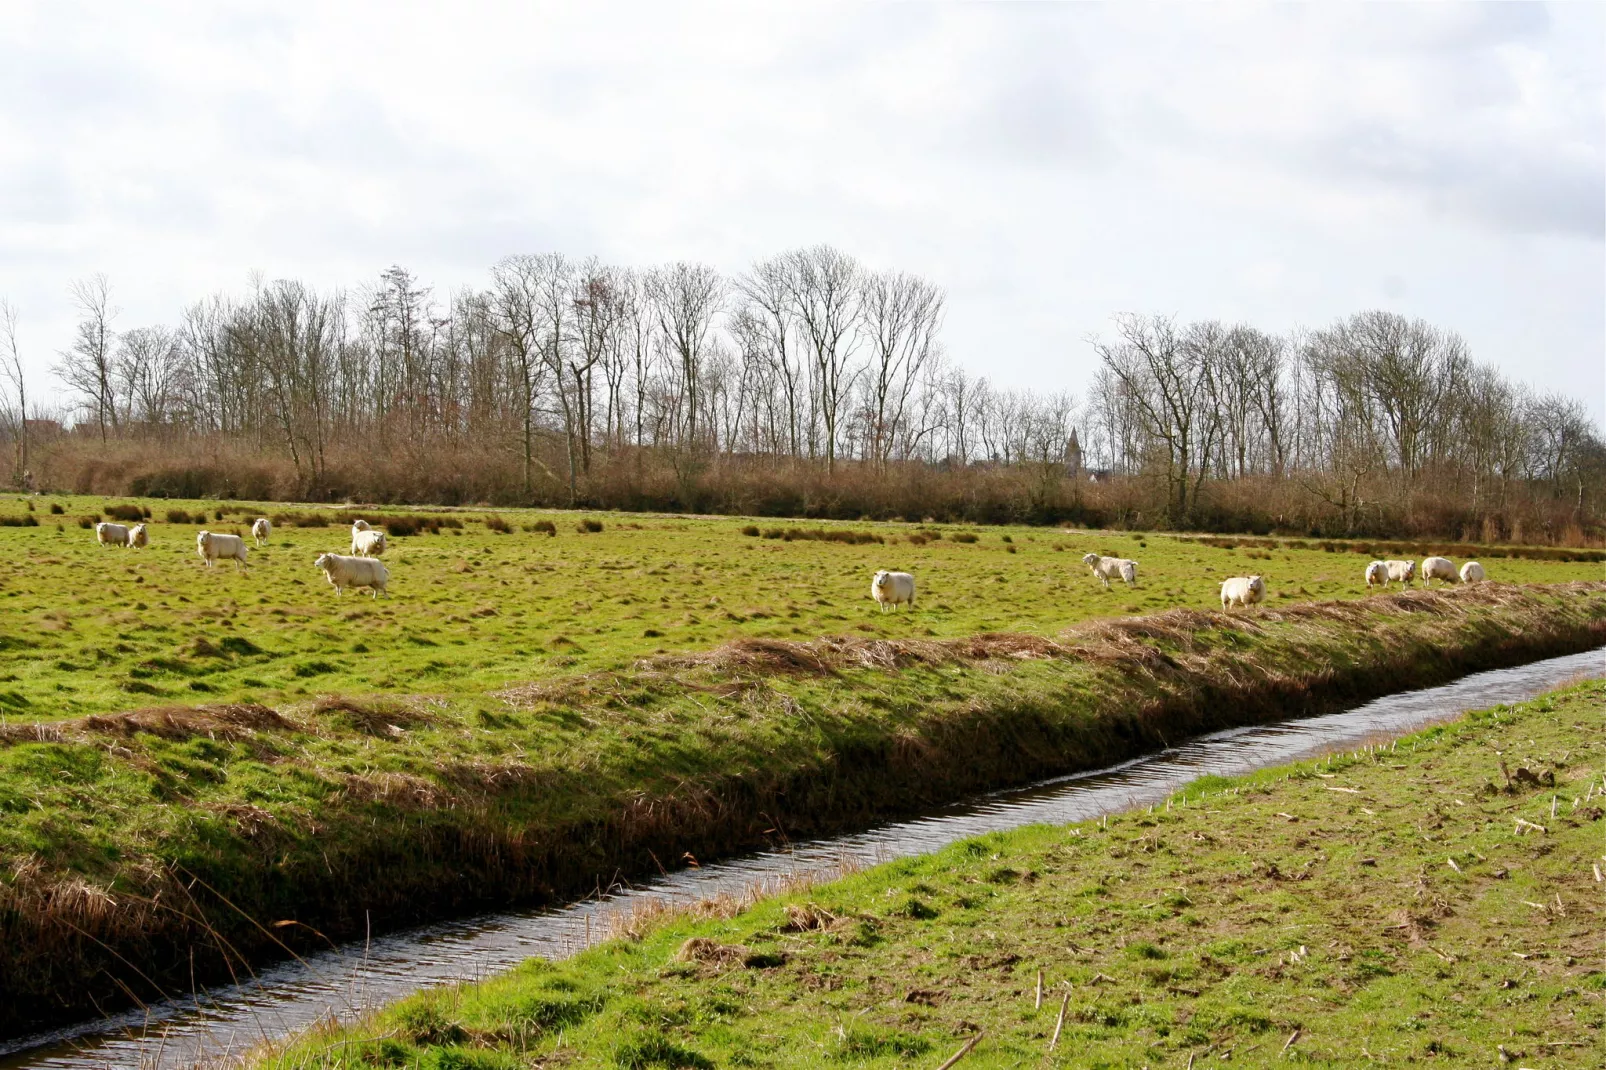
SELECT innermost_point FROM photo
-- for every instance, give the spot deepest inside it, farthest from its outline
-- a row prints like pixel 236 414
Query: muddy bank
pixel 691 754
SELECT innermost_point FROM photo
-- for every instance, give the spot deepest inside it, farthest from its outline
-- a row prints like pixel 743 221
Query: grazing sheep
pixel 109 534
pixel 1243 591
pixel 343 572
pixel 137 536
pixel 1437 568
pixel 261 530
pixel 368 543
pixel 1377 573
pixel 1404 571
pixel 893 589
pixel 212 546
pixel 1472 572
pixel 1109 568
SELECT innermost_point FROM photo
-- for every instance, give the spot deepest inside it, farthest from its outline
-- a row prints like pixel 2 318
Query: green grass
pixel 92 630
pixel 506 727
pixel 1383 907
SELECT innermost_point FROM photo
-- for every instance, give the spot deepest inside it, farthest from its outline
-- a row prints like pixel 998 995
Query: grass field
pixel 88 629
pixel 1386 907
pixel 173 836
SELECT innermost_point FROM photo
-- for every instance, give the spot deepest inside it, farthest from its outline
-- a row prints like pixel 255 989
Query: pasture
pixel 88 629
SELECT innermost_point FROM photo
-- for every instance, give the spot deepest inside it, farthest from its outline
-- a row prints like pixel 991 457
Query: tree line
pixel 565 381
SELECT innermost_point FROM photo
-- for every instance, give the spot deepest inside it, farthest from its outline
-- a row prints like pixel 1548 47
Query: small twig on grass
pixel 962 1052
pixel 1059 1023
pixel 1038 1005
pixel 1290 1041
pixel 1523 824
pixel 1347 791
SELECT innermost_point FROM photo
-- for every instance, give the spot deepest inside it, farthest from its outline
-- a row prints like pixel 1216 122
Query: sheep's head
pixel 1090 559
pixel 323 561
pixel 201 537
pixel 882 578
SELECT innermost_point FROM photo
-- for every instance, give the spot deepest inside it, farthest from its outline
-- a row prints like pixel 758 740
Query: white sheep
pixel 893 589
pixel 1109 568
pixel 360 525
pixel 368 543
pixel 109 534
pixel 1472 572
pixel 1243 591
pixel 1437 568
pixel 137 536
pixel 343 572
pixel 262 530
pixel 1377 573
pixel 211 546
pixel 1404 571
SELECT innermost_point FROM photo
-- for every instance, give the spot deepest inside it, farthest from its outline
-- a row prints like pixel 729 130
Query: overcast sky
pixel 1049 165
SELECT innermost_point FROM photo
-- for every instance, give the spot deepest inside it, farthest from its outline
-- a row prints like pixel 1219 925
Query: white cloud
pixel 1049 164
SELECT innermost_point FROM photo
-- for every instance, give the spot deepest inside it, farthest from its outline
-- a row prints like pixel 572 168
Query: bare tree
pixel 902 314
pixel 147 371
pixel 770 289
pixel 597 321
pixel 825 296
pixel 1168 380
pixel 517 313
pixel 11 368
pixel 686 298
pixel 87 366
pixel 295 336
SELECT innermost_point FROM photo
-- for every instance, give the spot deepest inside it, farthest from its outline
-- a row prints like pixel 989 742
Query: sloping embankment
pixel 230 822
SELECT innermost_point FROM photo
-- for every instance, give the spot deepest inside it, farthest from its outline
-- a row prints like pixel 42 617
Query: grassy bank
pixel 141 850
pixel 489 603
pixel 1433 901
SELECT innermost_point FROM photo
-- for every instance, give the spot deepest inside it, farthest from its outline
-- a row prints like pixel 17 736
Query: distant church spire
pixel 1073 457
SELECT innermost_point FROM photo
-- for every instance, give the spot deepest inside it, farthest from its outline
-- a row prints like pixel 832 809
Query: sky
pixel 1049 165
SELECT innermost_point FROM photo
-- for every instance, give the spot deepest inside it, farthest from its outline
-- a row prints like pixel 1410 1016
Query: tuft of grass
pixel 128 514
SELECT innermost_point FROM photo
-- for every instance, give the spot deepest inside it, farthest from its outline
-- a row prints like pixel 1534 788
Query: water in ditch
pixel 341 982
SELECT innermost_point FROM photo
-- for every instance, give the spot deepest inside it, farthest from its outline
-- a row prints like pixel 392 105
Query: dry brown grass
pixel 1119 639
pixel 372 715
pixel 228 722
